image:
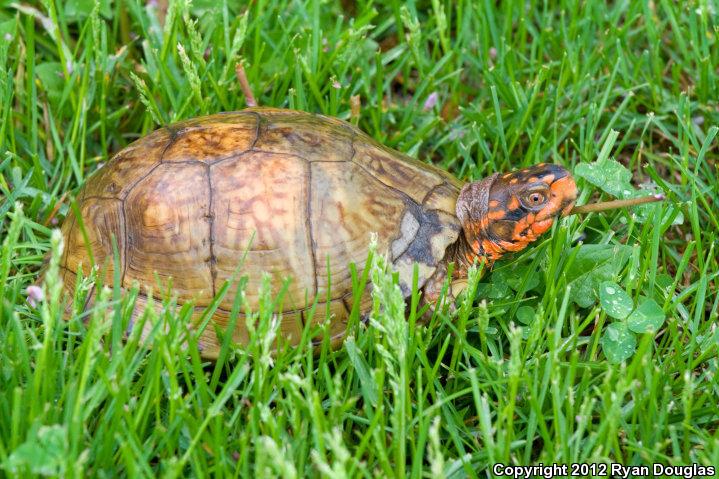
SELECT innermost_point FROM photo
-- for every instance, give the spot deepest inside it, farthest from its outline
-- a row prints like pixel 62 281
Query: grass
pixel 535 365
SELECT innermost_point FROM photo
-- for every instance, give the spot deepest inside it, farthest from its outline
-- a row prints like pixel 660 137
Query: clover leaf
pixel 593 265
pixel 618 343
pixel 647 318
pixel 614 300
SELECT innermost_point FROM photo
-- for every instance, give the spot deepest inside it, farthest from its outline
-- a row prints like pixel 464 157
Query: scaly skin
pixel 501 214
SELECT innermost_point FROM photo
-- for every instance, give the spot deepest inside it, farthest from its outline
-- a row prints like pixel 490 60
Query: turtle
pixel 292 195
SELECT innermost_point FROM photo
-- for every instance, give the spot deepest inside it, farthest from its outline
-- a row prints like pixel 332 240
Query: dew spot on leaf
pixel 647 318
pixel 618 342
pixel 614 300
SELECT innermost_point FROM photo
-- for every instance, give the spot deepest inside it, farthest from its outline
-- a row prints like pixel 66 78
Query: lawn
pixel 596 345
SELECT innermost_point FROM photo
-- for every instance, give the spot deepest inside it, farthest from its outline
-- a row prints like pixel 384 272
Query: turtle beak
pixel 567 209
pixel 565 190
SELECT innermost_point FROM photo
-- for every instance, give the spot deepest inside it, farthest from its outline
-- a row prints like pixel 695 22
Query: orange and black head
pixel 504 213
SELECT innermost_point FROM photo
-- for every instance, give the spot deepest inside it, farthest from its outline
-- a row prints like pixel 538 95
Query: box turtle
pixel 294 195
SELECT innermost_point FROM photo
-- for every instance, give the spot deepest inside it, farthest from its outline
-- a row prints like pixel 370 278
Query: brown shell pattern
pixel 261 191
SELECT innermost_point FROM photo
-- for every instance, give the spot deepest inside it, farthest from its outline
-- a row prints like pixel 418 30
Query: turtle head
pixel 504 213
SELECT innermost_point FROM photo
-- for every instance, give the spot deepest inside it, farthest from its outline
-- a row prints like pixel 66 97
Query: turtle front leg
pixel 432 291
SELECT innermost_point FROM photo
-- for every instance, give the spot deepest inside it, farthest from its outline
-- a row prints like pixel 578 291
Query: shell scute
pixel 259 209
pixel 442 198
pixel 398 173
pixel 168 232
pixel 347 205
pixel 103 220
pixel 128 167
pixel 307 136
pixel 212 139
pixel 427 226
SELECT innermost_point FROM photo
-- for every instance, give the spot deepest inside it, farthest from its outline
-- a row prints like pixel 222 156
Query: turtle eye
pixel 534 199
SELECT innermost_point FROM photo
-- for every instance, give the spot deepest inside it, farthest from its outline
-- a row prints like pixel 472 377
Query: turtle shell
pixel 290 194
